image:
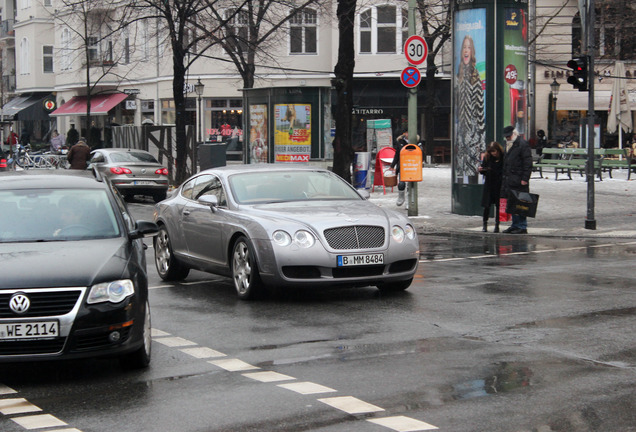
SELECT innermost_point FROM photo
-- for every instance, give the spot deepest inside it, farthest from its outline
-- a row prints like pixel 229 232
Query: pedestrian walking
pixel 517 169
pixel 57 142
pixel 79 154
pixel 400 142
pixel 492 169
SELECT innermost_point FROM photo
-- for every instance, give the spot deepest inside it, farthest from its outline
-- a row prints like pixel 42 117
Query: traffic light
pixel 579 73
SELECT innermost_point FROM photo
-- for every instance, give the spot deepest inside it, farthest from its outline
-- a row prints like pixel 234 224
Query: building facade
pixel 44 60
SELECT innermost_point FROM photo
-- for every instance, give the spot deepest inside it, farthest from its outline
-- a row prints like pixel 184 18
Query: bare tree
pixel 93 40
pixel 248 31
pixel 435 19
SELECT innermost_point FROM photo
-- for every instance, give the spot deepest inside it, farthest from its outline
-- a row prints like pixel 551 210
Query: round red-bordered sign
pixel 510 74
pixel 49 105
pixel 410 77
pixel 415 50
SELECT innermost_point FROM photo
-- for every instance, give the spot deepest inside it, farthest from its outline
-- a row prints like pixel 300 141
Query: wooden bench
pixel 617 159
pixel 566 160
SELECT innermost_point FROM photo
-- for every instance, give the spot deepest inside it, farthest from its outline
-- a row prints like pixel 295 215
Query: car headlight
pixel 397 233
pixel 304 239
pixel 410 232
pixel 281 238
pixel 113 292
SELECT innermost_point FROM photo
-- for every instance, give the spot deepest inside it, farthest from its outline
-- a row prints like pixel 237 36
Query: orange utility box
pixel 411 163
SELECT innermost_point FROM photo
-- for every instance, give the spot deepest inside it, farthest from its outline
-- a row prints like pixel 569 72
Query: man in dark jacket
pixel 79 155
pixel 516 174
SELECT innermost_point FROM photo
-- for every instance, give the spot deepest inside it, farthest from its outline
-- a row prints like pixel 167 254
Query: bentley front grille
pixel 355 237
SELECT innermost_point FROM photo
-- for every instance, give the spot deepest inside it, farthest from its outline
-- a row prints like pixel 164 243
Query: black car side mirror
pixel 143 229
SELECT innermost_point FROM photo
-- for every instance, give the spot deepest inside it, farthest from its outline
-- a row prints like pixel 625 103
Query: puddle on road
pixel 505 377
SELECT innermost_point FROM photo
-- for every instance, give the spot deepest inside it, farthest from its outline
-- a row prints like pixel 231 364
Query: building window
pixel 614 34
pixel 93 48
pixel 237 29
pixel 24 56
pixel 65 57
pixel 383 29
pixel 47 58
pixel 125 58
pixel 47 3
pixel 303 33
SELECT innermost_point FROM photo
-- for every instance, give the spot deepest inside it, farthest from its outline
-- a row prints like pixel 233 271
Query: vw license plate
pixel 143 182
pixel 362 259
pixel 29 330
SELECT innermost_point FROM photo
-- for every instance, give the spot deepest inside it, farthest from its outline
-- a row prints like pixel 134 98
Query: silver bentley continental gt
pixel 270 226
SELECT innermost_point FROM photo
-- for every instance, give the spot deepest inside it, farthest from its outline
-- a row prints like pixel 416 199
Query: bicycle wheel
pixel 24 162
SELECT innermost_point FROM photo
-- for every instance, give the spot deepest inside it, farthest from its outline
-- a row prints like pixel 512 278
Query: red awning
pixel 100 104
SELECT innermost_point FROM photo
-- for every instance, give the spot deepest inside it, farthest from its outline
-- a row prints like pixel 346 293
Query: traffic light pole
pixel 590 221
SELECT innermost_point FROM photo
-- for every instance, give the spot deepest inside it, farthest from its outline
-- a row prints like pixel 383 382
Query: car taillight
pixel 162 171
pixel 120 170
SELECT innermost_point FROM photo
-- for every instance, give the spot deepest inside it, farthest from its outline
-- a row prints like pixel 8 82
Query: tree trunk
pixel 178 85
pixel 343 83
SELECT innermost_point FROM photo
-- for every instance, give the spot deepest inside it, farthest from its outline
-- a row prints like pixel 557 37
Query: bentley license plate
pixel 362 259
pixel 29 330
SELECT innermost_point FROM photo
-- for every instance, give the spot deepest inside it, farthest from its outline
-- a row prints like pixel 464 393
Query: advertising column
pixel 490 73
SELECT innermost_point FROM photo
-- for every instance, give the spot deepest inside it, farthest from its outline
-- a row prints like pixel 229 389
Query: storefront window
pixel 224 122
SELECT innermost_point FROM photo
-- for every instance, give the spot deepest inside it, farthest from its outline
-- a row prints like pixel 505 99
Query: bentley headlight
pixel 410 232
pixel 113 292
pixel 397 233
pixel 281 238
pixel 304 239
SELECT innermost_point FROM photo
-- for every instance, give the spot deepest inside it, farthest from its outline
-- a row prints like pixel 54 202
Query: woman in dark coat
pixel 492 170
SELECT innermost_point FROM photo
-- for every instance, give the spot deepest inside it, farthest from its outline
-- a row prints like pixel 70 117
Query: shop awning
pixel 100 104
pixel 577 101
pixel 25 108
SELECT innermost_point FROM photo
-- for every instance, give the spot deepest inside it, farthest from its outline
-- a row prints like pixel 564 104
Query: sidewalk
pixel 561 212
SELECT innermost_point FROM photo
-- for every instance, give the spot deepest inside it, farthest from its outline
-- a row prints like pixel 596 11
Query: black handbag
pixel 522 203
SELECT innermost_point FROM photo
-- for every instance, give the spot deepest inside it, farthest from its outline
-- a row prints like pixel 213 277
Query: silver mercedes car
pixel 270 226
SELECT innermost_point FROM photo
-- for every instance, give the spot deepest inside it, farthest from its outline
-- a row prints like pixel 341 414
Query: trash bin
pixel 361 164
pixel 211 155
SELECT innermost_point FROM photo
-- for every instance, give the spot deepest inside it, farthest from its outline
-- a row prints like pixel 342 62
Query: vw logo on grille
pixel 143 170
pixel 19 303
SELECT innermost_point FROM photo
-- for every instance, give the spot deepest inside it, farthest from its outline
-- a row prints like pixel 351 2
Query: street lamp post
pixel 554 87
pixel 198 89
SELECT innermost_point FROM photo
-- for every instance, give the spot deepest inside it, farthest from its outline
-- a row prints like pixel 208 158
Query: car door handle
pixel 186 212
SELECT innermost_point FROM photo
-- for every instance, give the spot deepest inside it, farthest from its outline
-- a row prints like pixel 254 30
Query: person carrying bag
pixel 517 169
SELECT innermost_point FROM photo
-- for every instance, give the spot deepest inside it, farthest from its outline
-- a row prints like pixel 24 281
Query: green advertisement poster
pixel 515 74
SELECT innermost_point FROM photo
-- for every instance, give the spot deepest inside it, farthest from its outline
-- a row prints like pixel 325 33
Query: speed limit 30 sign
pixel 415 50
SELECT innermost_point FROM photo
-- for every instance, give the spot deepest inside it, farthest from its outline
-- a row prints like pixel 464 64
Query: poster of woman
pixel 470 87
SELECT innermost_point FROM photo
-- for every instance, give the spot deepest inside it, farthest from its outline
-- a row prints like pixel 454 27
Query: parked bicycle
pixel 26 159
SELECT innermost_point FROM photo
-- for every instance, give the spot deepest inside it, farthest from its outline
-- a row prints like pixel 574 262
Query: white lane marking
pixel 158 333
pixel 574 248
pixel 39 421
pixel 200 282
pixel 174 342
pixel 350 405
pixel 268 376
pixel 306 388
pixel 160 286
pixel 402 424
pixel 17 406
pixel 232 365
pixel 202 352
pixel 6 390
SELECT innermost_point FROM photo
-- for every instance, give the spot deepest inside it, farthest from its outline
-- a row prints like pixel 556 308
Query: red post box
pixel 411 163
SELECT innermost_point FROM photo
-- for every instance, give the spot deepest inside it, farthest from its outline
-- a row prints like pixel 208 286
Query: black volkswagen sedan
pixel 73 281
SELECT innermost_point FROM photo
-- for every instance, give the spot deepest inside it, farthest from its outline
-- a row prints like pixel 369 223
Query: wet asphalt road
pixel 497 333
